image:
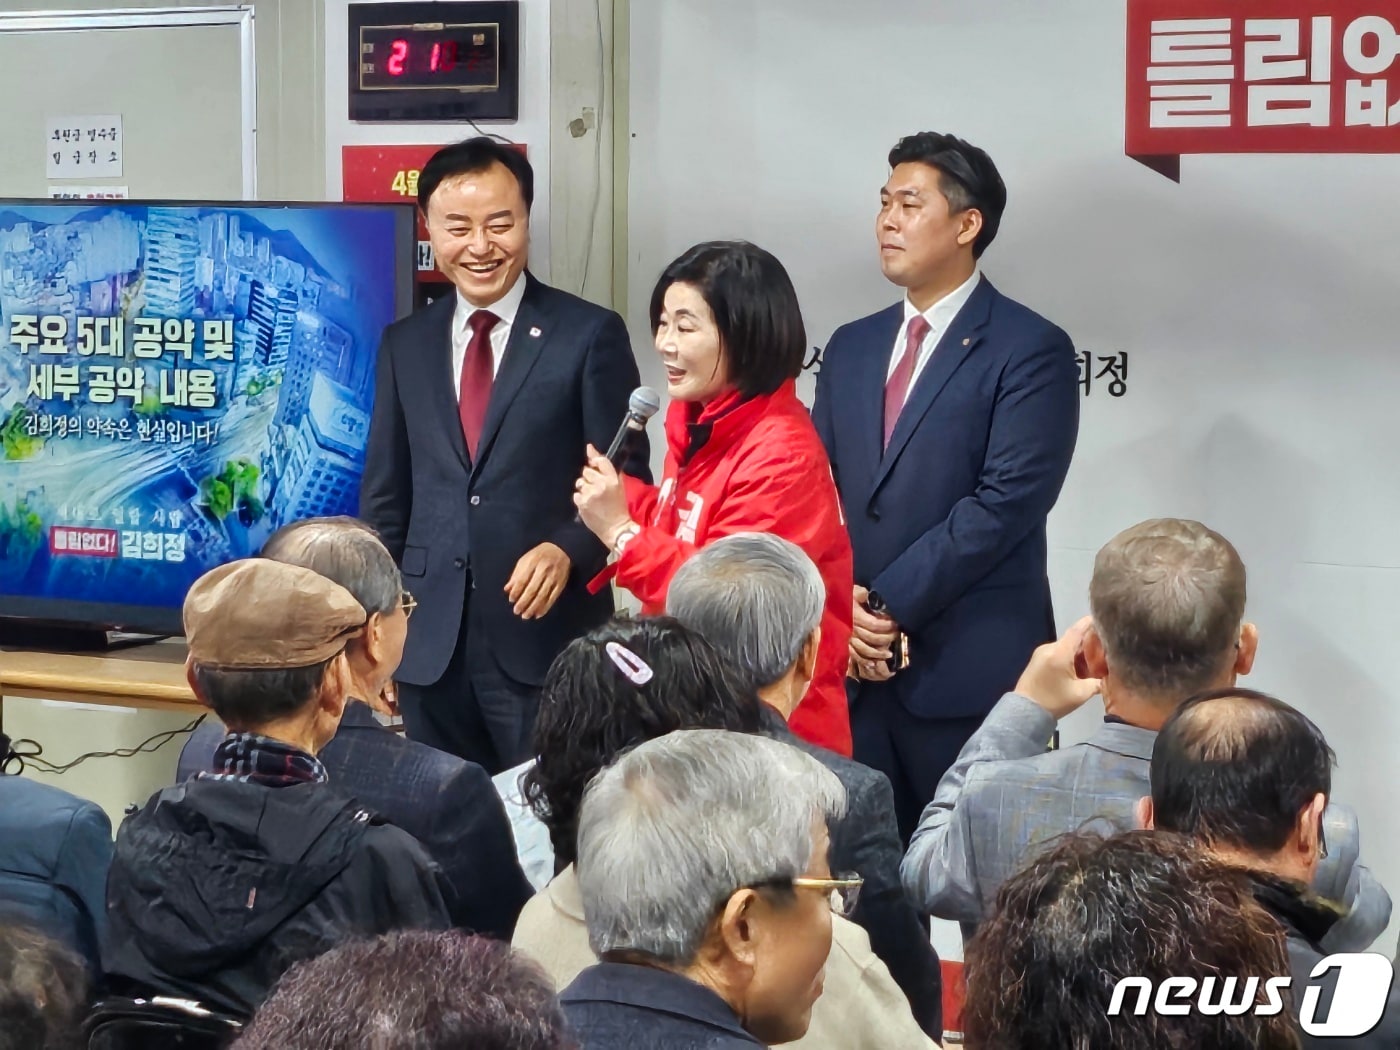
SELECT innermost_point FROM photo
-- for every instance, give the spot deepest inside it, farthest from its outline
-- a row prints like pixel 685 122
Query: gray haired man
pixel 702 862
pixel 1167 598
pixel 758 599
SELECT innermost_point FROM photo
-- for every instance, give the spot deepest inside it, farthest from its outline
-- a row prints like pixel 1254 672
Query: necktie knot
pixel 918 329
pixel 481 322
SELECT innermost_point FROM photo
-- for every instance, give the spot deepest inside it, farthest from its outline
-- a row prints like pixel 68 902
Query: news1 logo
pixel 1359 994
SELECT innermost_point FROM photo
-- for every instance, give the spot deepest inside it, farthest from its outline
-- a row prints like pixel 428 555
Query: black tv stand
pixel 68 638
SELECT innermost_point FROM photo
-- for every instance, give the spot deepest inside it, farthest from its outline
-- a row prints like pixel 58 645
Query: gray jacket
pixel 1006 796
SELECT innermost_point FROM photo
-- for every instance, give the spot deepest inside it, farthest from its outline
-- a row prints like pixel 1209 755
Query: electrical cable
pixel 24 753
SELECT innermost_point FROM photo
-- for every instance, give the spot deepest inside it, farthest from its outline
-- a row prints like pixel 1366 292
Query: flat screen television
pixel 177 380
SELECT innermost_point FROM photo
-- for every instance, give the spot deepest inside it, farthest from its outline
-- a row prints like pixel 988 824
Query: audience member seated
pixel 759 599
pixel 1249 777
pixel 631 681
pixel 447 804
pixel 55 849
pixel 43 992
pixel 1167 598
pixel 1087 913
pixel 412 991
pixel 702 864
pixel 222 882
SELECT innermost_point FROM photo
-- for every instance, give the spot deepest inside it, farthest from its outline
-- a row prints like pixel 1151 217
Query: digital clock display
pixel 465 57
pixel 445 60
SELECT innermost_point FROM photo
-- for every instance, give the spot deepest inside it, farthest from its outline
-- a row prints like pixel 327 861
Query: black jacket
pixel 1305 920
pixel 446 803
pixel 217 887
pixel 563 382
pixel 866 841
pixel 621 1006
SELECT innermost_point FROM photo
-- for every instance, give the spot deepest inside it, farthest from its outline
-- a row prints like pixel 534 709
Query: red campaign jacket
pixel 760 468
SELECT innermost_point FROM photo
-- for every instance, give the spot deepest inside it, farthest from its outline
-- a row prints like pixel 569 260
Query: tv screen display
pixel 177 380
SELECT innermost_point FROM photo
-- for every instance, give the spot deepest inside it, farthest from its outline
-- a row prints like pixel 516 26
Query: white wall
pixel 532 128
pixel 1252 298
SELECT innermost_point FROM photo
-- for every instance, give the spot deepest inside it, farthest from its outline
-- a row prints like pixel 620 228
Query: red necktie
pixel 897 386
pixel 474 389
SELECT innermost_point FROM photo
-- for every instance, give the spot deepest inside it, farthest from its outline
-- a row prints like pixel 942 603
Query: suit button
pixel 458 563
pixel 475 500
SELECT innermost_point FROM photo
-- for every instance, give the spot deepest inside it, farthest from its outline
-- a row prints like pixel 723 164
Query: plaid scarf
pixel 261 760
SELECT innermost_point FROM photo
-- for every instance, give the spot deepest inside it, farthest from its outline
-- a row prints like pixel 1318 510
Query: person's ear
pixel 336 686
pixel 193 681
pixel 807 658
pixel 969 226
pixel 1144 812
pixel 1095 658
pixel 1247 647
pixel 739 928
pixel 374 638
pixel 1309 827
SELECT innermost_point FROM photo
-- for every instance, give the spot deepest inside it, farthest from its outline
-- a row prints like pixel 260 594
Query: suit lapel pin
pixel 534 333
pixel 967 342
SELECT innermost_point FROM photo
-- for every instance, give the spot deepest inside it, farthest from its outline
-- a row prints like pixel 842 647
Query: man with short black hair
pixel 485 403
pixel 1168 600
pixel 1249 777
pixel 219 884
pixel 950 419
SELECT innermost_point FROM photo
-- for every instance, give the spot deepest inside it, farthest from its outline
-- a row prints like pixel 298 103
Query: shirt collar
pixel 941 313
pixel 506 307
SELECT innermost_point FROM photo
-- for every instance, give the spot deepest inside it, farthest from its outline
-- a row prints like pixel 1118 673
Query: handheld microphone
pixel 641 406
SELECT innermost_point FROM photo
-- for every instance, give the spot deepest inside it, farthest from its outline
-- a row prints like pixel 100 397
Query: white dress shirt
pixel 939 316
pixel 506 307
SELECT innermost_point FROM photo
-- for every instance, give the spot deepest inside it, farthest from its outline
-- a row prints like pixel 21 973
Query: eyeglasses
pixel 843 890
pixel 409 603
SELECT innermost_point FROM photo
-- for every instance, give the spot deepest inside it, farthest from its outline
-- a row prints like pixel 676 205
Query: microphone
pixel 641 406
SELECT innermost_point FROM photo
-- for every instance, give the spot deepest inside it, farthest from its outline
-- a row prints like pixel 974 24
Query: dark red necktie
pixel 474 388
pixel 897 387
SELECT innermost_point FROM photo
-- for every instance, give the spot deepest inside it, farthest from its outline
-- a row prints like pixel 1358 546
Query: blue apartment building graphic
pixel 295 399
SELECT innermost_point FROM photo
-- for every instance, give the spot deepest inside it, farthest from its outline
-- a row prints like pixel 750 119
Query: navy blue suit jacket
pixel 563 381
pixel 446 803
pixel 55 849
pixel 948 524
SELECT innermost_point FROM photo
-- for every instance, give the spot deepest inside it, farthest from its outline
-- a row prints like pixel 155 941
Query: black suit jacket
pixel 446 803
pixel 563 382
pixel 867 842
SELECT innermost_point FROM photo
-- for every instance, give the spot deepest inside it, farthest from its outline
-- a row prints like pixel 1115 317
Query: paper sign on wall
pixel 83 147
pixel 69 192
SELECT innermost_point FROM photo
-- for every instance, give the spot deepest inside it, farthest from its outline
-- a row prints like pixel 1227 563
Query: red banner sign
pixel 1261 76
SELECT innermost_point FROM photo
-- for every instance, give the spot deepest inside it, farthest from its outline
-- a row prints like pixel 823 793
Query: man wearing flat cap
pixel 221 883
pixel 950 419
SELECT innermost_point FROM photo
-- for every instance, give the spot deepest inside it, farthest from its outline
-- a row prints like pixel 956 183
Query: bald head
pixel 1168 598
pixel 1236 768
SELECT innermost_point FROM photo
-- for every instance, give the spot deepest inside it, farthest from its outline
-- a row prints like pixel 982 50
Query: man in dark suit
pixel 758 599
pixel 484 404
pixel 447 804
pixel 950 420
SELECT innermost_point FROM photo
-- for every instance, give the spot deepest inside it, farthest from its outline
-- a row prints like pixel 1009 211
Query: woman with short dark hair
pixel 742 454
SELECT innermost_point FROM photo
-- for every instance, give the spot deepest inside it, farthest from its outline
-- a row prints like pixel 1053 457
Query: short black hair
pixel 246 700
pixel 590 711
pixel 471 156
pixel 1087 913
pixel 43 992
pixel 1235 767
pixel 966 176
pixel 755 308
pixel 412 990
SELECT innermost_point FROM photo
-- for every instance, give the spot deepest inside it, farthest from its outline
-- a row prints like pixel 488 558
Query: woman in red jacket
pixel 741 453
